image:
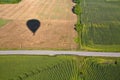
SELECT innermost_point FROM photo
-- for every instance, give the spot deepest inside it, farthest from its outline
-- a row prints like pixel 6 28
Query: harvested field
pixel 57 25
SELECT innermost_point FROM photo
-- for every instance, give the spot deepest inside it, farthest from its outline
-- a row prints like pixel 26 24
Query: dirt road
pixel 57 25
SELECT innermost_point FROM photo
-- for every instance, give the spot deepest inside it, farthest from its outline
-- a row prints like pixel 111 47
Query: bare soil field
pixel 57 25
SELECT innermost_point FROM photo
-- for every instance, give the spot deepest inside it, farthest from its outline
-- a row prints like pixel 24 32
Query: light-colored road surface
pixel 52 53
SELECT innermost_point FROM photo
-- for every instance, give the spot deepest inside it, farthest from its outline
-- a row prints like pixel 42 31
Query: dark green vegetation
pixel 100 20
pixel 3 22
pixel 15 67
pixel 78 26
pixel 9 1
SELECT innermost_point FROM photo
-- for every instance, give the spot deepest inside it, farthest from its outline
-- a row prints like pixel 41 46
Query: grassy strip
pixel 3 22
pixel 105 48
pixel 9 1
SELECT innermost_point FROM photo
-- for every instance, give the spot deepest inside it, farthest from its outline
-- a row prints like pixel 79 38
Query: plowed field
pixel 57 25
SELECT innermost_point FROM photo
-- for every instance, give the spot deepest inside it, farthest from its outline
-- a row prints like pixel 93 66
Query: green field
pixel 101 69
pixel 37 68
pixel 101 25
pixel 23 67
pixel 3 22
pixel 9 1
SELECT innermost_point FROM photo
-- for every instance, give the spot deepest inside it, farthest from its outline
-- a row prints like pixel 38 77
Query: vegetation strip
pixel 9 1
pixel 78 26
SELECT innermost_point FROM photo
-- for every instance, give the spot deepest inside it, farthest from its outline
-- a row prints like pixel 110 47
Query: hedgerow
pixel 78 26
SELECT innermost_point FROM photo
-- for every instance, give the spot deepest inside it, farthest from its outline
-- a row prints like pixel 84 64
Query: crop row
pixel 66 70
pixel 95 69
pixel 101 21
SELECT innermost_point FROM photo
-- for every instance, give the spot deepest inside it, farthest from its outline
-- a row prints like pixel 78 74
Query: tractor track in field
pixel 57 25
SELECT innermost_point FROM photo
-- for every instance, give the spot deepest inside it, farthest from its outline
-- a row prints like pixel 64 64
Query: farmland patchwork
pixel 98 25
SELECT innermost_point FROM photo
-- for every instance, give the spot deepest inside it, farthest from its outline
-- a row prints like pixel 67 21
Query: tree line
pixel 78 26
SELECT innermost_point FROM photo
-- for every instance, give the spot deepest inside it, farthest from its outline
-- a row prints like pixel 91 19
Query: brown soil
pixel 57 25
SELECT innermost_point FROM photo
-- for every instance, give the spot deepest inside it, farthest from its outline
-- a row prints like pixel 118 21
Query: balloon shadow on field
pixel 33 25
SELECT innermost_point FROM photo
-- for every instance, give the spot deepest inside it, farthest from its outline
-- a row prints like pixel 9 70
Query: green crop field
pixel 101 69
pixel 3 22
pixel 37 68
pixel 23 67
pixel 9 1
pixel 101 25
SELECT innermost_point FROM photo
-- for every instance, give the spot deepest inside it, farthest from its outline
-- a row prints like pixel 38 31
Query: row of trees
pixel 78 26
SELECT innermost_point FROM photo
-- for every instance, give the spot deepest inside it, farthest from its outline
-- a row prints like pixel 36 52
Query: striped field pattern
pixel 101 25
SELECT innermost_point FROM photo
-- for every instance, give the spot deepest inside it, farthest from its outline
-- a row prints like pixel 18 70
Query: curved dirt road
pixel 57 25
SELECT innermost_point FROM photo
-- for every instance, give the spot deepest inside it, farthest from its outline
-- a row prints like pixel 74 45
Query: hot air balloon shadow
pixel 33 25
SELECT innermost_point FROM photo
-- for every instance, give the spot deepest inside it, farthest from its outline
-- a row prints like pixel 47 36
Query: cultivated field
pixel 101 68
pixel 19 67
pixel 101 25
pixel 57 25
pixel 37 68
